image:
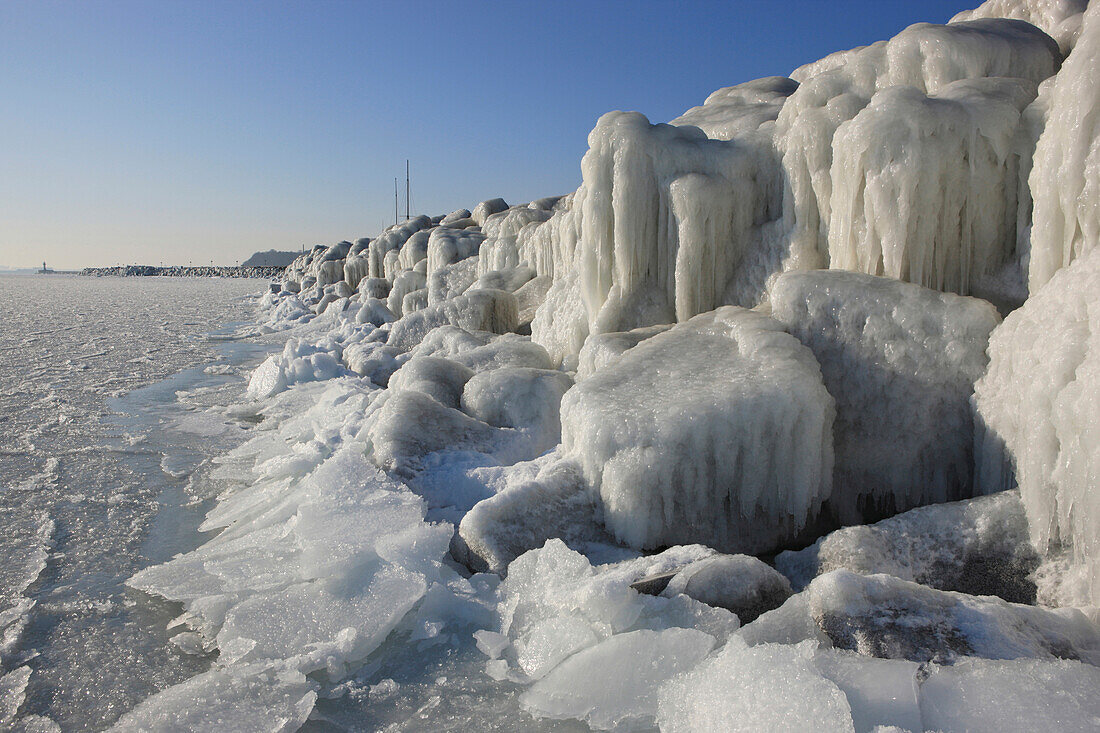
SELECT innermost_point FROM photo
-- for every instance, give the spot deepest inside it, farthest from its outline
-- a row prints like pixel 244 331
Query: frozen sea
pixel 102 437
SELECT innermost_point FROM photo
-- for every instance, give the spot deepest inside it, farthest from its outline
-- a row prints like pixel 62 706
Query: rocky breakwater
pixel 177 271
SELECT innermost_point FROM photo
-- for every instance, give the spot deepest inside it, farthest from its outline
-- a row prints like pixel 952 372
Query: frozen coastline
pixel 784 420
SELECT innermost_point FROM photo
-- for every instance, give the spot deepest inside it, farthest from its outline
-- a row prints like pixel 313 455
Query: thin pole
pixel 395 201
pixel 407 217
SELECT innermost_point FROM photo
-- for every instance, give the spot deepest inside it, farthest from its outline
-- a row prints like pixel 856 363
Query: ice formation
pixel 745 328
pixel 1038 404
pixel 901 362
pixel 1065 179
pixel 718 430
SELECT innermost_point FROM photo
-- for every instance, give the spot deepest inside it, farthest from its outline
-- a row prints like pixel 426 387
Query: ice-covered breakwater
pixel 179 271
pixel 844 320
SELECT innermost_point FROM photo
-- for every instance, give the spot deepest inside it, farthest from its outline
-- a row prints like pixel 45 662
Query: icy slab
pixel 901 361
pixel 451 280
pixel 555 604
pixel 13 690
pixel 1038 404
pixel 527 511
pixel 486 209
pixel 529 297
pixel 614 684
pixel 739 583
pixel 764 687
pixel 880 692
pixel 717 431
pixel 1065 179
pixel 980 547
pixel 981 696
pixel 882 616
pixel 255 699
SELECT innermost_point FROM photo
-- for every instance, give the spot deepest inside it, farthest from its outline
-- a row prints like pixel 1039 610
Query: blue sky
pixel 148 132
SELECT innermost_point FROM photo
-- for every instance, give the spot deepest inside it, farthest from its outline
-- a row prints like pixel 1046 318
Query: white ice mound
pixel 299 361
pixel 924 187
pixel 717 431
pixel 901 361
pixel 1065 179
pixel 979 546
pixel 519 397
pixel 823 167
pixel 1040 402
pixel 744 108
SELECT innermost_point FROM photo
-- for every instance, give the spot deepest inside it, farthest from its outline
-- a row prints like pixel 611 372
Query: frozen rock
pixel 882 616
pixel 716 431
pixel 1038 405
pixel 374 360
pixel 980 547
pixel 374 312
pixel 414 301
pixel 600 350
pixel 508 350
pixel 441 379
pixel 456 215
pixel 374 287
pixel 510 280
pixel 524 515
pixel 486 209
pixel 405 283
pixel 410 425
pixel 502 247
pixel 740 689
pixel 733 111
pixel 448 281
pixel 475 310
pixel 738 583
pixel 519 397
pixel 614 684
pixel 901 362
pixel 449 246
pixel 299 361
pixel 530 296
pixel 1059 19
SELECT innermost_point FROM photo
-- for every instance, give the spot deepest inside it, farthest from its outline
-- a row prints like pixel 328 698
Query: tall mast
pixel 395 201
pixel 407 217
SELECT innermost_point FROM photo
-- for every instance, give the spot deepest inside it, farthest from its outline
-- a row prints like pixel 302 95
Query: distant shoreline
pixel 178 271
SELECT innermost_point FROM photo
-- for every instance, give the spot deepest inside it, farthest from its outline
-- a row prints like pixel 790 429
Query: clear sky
pixel 176 132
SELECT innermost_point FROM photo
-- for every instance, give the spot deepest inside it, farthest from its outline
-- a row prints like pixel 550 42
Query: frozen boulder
pixel 374 287
pixel 980 546
pixel 374 360
pixel 510 280
pixel 519 397
pixel 530 296
pixel 405 283
pixel 486 209
pixel 901 361
pixel 738 583
pixel 883 616
pixel 717 431
pixel 524 515
pixel 451 280
pixel 475 310
pixel 375 312
pixel 603 349
pixel 1059 19
pixel 441 379
pixel 1038 407
pixel 508 350
pixel 410 425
